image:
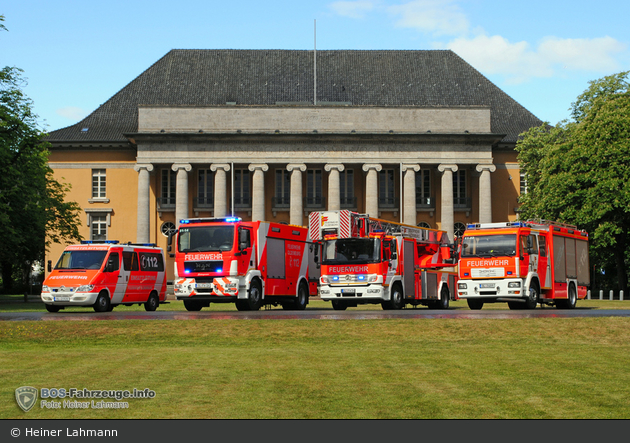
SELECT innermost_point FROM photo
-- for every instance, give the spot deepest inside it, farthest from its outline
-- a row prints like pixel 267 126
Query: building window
pixel 523 184
pixel 98 183
pixel 168 228
pixel 459 229
pixel 459 190
pixel 242 186
pixel 282 196
pixel 423 189
pixel 386 189
pixel 346 189
pixel 314 197
pixel 169 180
pixel 98 227
pixel 424 225
pixel 205 188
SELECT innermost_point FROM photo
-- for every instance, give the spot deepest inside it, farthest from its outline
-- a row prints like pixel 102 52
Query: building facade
pixel 418 137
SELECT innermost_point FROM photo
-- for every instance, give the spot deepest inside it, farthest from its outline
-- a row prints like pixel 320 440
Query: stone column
pixel 371 188
pixel 485 193
pixel 181 191
pixel 258 190
pixel 143 232
pixel 220 189
pixel 409 188
pixel 334 198
pixel 448 208
pixel 296 217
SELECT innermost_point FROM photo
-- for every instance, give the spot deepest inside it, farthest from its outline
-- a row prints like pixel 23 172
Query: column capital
pixel 444 167
pixel 481 168
pixel 369 166
pixel 185 166
pixel 299 166
pixel 138 166
pixel 215 166
pixel 330 166
pixel 406 167
pixel 258 166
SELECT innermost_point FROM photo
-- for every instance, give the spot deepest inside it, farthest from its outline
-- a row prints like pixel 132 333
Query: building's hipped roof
pixel 271 77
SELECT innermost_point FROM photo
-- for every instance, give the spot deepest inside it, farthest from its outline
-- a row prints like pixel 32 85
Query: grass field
pixel 326 369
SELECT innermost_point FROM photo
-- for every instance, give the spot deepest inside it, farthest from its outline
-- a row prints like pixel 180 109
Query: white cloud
pixel 356 9
pixel 437 17
pixel 519 62
pixel 72 113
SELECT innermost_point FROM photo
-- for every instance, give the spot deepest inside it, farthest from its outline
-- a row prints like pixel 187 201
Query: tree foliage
pixel 33 210
pixel 577 172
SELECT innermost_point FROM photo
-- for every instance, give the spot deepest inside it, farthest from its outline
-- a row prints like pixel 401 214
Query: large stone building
pixel 414 136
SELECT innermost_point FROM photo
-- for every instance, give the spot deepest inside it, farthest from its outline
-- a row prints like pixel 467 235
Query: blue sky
pixel 76 54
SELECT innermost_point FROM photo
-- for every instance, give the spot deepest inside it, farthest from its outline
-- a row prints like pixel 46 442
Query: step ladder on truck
pixel 524 264
pixel 366 260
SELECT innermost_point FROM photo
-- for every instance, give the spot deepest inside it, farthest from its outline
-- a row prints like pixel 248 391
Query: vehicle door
pixel 111 274
pixel 130 273
pixel 390 254
pixel 246 258
pixel 544 270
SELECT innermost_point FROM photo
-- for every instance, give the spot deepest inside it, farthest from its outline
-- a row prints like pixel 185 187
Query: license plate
pixel 204 285
pixel 348 291
pixel 62 298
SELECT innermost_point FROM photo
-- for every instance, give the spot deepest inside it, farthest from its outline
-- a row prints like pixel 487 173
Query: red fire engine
pixel 368 260
pixel 523 264
pixel 222 260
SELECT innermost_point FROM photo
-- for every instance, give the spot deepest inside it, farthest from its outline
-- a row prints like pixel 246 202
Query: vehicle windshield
pixel 489 245
pixel 205 238
pixel 352 250
pixel 81 260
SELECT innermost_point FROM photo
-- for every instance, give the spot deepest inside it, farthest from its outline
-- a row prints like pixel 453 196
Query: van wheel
pixel 192 305
pixel 102 303
pixel 53 308
pixel 152 303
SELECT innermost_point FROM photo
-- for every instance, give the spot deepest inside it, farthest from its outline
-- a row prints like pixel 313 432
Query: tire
pixel 444 301
pixel 53 308
pixel 516 305
pixel 569 303
pixel 254 296
pixel 396 299
pixel 152 303
pixel 102 303
pixel 475 305
pixel 339 305
pixel 192 305
pixel 532 297
pixel 302 298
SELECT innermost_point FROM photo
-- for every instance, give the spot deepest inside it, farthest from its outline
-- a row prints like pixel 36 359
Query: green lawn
pixel 327 369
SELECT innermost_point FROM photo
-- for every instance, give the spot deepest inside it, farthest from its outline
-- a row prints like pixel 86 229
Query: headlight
pixel 462 286
pixel 85 288
pixel 325 280
pixel 514 284
pixel 372 278
pixel 45 288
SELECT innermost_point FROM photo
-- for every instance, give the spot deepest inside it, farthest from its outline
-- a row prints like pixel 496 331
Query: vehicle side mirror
pixel 49 265
pixel 394 256
pixel 110 265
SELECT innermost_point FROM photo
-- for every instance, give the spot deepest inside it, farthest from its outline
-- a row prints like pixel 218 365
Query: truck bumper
pixel 359 294
pixel 69 298
pixel 506 289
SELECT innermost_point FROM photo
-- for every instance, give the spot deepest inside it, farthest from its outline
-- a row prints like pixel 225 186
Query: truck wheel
pixel 569 303
pixel 474 304
pixel 396 299
pixel 444 301
pixel 516 305
pixel 192 305
pixel 339 305
pixel 102 303
pixel 532 296
pixel 254 296
pixel 53 308
pixel 152 303
pixel 302 298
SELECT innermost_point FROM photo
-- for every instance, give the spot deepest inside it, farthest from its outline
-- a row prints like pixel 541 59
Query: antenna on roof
pixel 315 62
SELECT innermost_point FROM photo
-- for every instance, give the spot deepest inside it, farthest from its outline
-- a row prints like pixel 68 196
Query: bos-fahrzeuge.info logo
pixel 73 398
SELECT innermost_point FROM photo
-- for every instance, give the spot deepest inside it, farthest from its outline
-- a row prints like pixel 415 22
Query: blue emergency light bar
pixel 188 221
pixel 90 242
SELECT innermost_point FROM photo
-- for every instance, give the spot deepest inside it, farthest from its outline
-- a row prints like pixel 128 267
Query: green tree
pixel 577 172
pixel 33 210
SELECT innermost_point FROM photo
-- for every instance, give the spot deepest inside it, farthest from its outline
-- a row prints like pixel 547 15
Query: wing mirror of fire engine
pixel 110 265
pixel 394 256
pixel 49 265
